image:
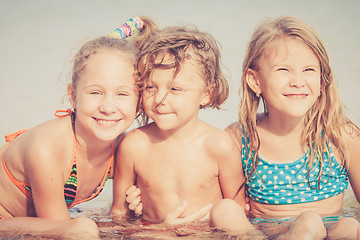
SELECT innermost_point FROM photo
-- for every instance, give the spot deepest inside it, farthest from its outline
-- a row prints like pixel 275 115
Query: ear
pixel 252 81
pixel 71 95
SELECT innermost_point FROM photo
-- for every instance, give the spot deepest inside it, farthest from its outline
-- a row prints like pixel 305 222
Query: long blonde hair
pixel 324 120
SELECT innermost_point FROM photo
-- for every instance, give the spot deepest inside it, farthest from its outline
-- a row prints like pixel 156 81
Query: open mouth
pixel 296 96
pixel 107 123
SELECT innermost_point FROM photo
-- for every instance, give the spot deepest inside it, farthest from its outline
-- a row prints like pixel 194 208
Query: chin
pixel 110 134
pixel 165 127
pixel 107 137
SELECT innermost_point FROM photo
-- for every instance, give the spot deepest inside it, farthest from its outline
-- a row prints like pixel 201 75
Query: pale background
pixel 39 38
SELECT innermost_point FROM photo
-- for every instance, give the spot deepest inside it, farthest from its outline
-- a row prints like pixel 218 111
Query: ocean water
pixel 40 37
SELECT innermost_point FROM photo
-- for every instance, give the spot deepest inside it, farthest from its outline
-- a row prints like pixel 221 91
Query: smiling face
pixel 175 102
pixel 288 77
pixel 105 97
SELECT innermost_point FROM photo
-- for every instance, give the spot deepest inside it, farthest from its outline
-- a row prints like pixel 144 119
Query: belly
pixel 157 204
pixel 326 207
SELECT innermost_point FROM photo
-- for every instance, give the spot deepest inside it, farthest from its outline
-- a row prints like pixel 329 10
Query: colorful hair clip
pixel 128 28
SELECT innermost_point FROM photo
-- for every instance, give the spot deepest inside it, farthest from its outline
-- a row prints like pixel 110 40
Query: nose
pixel 297 81
pixel 107 105
pixel 160 96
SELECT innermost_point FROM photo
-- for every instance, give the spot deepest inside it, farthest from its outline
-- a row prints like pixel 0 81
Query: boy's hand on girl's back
pixel 134 200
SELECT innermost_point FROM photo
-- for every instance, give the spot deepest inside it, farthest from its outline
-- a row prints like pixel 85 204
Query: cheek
pixel 147 100
pixel 315 85
pixel 129 107
pixel 83 103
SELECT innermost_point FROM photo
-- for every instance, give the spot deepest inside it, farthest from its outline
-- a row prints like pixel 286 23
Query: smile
pixel 106 123
pixel 296 96
pixel 161 112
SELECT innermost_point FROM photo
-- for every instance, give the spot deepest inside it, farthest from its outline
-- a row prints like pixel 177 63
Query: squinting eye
pixel 282 69
pixel 123 94
pixel 95 93
pixel 176 90
pixel 150 88
pixel 309 69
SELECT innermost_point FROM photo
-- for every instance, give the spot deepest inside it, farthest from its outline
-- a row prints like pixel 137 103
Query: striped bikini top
pixel 70 187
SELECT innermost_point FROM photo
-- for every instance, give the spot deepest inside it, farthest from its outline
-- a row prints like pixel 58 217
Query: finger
pixel 133 195
pixel 131 189
pixel 134 204
pixel 203 213
pixel 206 217
pixel 138 209
pixel 174 214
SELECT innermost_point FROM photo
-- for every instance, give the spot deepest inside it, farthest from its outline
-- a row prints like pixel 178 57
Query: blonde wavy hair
pixel 323 121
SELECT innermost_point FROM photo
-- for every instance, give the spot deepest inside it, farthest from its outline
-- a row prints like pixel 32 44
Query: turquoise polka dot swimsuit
pixel 288 182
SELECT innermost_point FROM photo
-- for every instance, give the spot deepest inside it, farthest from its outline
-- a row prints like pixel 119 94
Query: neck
pixel 182 132
pixel 282 125
pixel 91 149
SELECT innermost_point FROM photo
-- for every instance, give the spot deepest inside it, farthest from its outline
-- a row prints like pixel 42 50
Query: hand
pixel 134 200
pixel 172 218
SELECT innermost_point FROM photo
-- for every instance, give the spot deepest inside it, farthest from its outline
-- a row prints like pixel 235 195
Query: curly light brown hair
pixel 180 44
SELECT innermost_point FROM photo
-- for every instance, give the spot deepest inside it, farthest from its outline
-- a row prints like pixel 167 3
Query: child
pixel 178 158
pixel 66 161
pixel 300 152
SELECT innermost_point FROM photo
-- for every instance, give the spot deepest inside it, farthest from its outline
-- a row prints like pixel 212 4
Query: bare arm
pixel 124 175
pixel 351 137
pixel 46 178
pixel 231 175
pixel 235 132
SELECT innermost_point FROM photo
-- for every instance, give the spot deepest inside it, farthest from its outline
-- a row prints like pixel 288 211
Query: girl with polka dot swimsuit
pixel 300 152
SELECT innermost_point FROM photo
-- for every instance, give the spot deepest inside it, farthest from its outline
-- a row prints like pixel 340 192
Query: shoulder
pixel 139 135
pixel 234 129
pixel 233 126
pixel 350 134
pixel 52 133
pixel 220 143
pixel 49 140
pixel 41 148
pixel 136 139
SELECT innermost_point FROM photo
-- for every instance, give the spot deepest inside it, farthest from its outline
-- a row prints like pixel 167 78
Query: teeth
pixel 107 123
pixel 296 95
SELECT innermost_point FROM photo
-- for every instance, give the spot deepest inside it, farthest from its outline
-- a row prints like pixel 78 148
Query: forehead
pixel 108 65
pixel 188 72
pixel 287 48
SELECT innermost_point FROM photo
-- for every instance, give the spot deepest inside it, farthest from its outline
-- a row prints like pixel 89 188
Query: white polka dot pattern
pixel 291 182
